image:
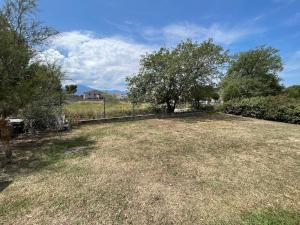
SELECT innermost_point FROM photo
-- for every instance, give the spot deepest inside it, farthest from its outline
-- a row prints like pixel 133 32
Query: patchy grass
pixel 211 169
pixel 94 109
pixel 272 217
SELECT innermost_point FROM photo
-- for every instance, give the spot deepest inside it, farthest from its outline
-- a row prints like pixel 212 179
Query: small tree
pixel 44 110
pixel 71 89
pixel 293 91
pixel 168 75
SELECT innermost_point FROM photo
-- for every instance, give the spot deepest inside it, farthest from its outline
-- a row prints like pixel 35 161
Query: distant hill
pixel 115 91
pixel 82 88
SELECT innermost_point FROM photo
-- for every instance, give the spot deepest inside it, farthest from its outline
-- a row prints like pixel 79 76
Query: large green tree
pixel 253 73
pixel 168 76
pixel 21 37
pixel 23 82
pixel 14 59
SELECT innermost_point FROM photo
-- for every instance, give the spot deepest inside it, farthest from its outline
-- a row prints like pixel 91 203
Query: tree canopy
pixel 293 91
pixel 71 89
pixel 26 86
pixel 169 75
pixel 21 36
pixel 253 73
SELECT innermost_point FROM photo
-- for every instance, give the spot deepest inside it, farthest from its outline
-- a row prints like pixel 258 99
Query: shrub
pixel 276 108
pixel 204 108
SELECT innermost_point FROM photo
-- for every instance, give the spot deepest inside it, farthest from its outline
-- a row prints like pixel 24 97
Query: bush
pixel 276 108
pixel 203 108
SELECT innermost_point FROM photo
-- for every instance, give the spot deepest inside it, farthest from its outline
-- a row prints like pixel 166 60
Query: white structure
pixel 92 95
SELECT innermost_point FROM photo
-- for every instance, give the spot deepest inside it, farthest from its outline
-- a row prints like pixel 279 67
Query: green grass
pixel 95 110
pixel 210 169
pixel 272 217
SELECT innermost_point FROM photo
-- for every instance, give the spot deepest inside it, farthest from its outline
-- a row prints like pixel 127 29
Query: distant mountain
pixel 82 88
pixel 115 92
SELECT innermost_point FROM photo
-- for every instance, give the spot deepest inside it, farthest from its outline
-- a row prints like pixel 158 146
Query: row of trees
pixel 194 71
pixel 28 88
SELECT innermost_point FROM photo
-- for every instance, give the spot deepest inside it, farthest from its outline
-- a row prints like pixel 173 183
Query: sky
pixel 101 41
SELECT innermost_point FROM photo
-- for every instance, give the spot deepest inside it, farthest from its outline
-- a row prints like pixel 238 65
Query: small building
pixel 93 95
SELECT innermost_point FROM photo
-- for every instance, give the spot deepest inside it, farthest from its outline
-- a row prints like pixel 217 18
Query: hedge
pixel 275 108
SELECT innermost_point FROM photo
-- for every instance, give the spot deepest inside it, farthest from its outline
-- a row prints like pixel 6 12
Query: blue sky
pixel 101 41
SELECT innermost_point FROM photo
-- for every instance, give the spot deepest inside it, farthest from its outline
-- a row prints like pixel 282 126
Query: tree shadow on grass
pixel 210 117
pixel 42 153
pixel 4 184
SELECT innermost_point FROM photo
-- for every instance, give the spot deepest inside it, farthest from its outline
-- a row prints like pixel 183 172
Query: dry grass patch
pixel 197 170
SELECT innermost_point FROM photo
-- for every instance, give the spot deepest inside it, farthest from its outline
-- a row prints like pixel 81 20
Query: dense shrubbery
pixel 278 108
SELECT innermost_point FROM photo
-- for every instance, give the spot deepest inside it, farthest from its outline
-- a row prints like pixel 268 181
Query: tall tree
pixel 21 37
pixel 21 16
pixel 253 73
pixel 168 75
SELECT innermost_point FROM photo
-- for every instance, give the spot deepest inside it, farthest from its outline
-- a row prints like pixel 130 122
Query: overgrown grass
pixel 95 110
pixel 212 169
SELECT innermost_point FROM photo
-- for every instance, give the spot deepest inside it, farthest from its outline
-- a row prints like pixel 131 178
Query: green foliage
pixel 167 76
pixel 20 14
pixel 293 91
pixel 45 97
pixel 272 217
pixel 201 93
pixel 27 88
pixel 14 58
pixel 71 89
pixel 277 108
pixel 253 73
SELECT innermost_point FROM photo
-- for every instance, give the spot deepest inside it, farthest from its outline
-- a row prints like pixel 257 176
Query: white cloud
pixel 97 62
pixel 177 32
pixel 104 62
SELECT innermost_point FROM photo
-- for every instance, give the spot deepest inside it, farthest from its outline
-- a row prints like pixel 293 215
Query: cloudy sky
pixel 101 41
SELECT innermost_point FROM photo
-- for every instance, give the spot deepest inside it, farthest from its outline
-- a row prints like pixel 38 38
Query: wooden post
pixel 104 108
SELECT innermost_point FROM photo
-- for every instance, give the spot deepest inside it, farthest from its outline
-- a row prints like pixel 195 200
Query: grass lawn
pixel 94 109
pixel 210 169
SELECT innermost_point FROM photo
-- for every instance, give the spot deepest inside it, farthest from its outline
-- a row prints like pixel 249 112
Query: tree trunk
pixel 8 153
pixel 170 107
pixel 5 139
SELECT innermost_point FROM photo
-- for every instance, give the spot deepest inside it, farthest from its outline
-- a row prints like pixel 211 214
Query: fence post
pixel 104 109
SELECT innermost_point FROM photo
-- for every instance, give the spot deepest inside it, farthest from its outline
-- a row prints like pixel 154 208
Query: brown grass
pixel 198 170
